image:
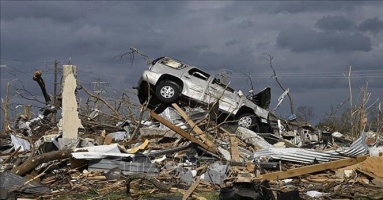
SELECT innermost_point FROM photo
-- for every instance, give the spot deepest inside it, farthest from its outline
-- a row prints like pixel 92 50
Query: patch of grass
pixel 214 195
pixel 121 194
pixel 115 195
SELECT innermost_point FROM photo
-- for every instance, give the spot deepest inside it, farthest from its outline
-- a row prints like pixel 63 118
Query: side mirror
pixel 240 93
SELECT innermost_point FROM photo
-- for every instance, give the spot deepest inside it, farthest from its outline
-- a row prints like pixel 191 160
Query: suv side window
pixel 199 74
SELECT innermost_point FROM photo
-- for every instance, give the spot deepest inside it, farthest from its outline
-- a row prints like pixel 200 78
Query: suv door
pixel 195 83
pixel 228 99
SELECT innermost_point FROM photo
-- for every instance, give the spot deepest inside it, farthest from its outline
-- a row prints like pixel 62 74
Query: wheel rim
pixel 245 121
pixel 167 92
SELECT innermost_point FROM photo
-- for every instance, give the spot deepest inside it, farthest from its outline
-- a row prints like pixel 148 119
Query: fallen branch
pixel 33 161
pixel 12 155
pixel 103 101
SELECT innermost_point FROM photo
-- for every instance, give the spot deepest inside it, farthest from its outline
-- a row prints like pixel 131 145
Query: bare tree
pixel 5 109
pixel 270 59
pixel 305 113
pixel 133 51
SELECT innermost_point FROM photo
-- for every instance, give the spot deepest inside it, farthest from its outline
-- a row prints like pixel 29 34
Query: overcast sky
pixel 313 43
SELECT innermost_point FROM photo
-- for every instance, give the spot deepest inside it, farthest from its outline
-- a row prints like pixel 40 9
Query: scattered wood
pixel 195 128
pixel 180 131
pixel 152 180
pixel 235 157
pixel 373 165
pixel 312 168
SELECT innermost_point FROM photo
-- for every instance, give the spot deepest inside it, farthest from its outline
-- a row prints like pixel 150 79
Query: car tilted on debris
pixel 171 81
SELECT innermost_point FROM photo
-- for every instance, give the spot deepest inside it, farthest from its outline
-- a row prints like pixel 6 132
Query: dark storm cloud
pixel 54 10
pixel 314 6
pixel 374 25
pixel 212 35
pixel 335 23
pixel 232 43
pixel 300 39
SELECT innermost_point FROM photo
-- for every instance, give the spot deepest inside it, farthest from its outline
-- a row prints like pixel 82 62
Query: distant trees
pixel 305 113
pixel 361 116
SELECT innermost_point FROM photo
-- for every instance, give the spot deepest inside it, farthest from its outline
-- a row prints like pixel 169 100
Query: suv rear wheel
pixel 249 121
pixel 168 91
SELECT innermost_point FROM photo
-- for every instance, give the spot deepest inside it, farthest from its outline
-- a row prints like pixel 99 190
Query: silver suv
pixel 171 80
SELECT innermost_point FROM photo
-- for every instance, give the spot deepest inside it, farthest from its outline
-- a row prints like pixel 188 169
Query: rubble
pixel 183 152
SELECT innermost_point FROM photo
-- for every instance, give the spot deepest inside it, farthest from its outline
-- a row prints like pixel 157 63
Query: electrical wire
pixel 26 61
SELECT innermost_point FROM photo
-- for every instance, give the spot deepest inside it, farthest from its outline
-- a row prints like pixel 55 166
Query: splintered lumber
pixel 34 161
pixel 312 168
pixel 194 126
pixel 141 147
pixel 234 149
pixel 191 189
pixel 180 131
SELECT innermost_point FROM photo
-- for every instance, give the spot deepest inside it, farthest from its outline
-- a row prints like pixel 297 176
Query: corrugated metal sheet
pixel 358 147
pixel 307 156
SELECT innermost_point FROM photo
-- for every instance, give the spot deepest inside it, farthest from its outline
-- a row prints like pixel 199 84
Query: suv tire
pixel 168 91
pixel 249 121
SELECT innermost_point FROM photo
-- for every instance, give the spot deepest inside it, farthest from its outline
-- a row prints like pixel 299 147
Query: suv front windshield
pixel 172 63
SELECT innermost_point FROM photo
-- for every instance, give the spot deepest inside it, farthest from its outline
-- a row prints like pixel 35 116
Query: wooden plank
pixel 191 189
pixel 312 168
pixel 369 174
pixel 196 129
pixel 141 147
pixel 180 131
pixel 235 157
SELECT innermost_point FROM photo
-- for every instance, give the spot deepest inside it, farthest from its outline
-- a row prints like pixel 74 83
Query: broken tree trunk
pixel 34 161
pixel 70 120
pixel 5 107
pixel 39 79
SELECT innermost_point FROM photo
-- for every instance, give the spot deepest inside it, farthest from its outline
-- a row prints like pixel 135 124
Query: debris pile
pixel 186 160
pixel 180 154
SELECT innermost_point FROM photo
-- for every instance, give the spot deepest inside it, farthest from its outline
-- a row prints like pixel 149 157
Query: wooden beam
pixel 180 131
pixel 191 189
pixel 235 157
pixel 194 126
pixel 312 168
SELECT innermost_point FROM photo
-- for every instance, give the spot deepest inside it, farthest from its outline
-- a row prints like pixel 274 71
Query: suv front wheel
pixel 168 91
pixel 249 121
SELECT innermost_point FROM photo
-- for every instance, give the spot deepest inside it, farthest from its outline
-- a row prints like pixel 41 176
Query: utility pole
pixel 55 91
